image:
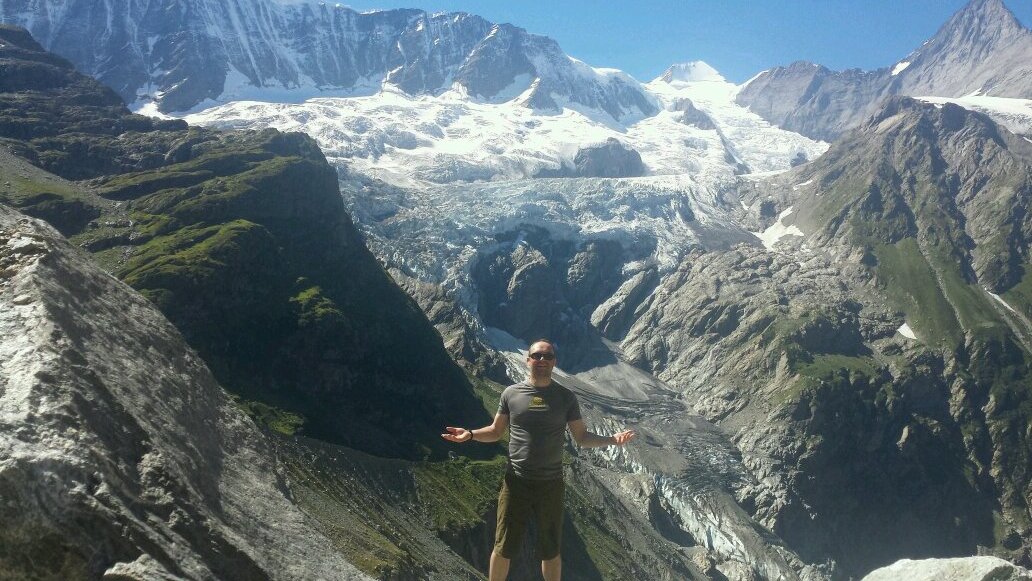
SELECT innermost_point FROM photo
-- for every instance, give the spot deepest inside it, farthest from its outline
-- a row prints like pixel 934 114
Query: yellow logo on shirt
pixel 537 403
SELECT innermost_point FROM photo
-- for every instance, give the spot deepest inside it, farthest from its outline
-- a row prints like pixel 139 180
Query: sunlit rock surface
pixel 120 456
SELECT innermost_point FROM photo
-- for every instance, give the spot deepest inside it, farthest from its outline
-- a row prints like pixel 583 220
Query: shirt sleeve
pixel 503 402
pixel 573 411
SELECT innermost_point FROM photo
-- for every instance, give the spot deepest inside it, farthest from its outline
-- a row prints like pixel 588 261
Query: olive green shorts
pixel 521 498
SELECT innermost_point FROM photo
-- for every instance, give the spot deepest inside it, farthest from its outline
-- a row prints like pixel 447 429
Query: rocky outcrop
pixel 693 116
pixel 615 315
pixel 608 160
pixel 120 456
pixel 534 285
pixel 982 49
pixel 968 569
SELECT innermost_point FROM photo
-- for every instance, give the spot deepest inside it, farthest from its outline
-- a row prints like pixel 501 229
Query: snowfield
pixel 418 140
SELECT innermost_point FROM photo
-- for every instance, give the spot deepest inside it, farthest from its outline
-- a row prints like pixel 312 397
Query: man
pixel 537 413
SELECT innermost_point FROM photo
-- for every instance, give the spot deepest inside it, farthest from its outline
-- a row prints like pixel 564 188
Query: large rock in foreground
pixel 966 569
pixel 120 456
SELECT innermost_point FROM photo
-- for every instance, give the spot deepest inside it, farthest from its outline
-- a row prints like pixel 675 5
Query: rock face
pixel 969 569
pixel 608 160
pixel 813 100
pixel 537 286
pixel 184 53
pixel 692 116
pixel 120 456
pixel 982 48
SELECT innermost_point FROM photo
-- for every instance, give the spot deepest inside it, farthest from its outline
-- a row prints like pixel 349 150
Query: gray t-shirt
pixel 537 424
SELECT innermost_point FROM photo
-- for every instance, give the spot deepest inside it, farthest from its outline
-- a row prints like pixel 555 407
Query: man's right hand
pixel 457 435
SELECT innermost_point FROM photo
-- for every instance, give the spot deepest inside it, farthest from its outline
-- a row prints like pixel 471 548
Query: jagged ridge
pixel 184 53
pixel 982 48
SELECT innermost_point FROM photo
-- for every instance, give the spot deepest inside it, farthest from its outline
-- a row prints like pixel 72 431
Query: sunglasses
pixel 540 356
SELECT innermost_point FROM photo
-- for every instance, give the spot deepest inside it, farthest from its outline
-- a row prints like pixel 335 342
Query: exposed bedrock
pixel 533 285
pixel 609 159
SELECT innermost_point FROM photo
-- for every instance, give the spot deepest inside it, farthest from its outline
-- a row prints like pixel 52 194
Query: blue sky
pixel 737 37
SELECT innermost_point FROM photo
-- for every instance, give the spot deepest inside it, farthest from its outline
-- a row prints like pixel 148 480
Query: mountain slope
pixel 183 54
pixel 119 453
pixel 982 49
pixel 243 241
pixel 878 380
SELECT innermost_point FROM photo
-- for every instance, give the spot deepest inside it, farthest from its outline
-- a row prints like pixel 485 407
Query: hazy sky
pixel 737 37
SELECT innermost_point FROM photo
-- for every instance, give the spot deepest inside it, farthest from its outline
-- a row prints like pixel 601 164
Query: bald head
pixel 541 344
pixel 540 361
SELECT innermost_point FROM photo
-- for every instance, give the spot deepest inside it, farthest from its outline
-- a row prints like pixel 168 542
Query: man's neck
pixel 540 381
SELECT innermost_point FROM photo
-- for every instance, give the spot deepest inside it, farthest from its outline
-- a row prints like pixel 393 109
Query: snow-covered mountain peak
pixel 690 72
pixel 190 53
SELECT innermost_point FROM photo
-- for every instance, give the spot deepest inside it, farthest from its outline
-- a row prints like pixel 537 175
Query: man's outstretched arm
pixel 490 433
pixel 586 439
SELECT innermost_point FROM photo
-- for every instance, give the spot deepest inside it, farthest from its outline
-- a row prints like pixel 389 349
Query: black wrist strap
pixel 471 438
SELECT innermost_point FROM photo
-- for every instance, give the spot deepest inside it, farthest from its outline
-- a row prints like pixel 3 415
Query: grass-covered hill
pixel 243 241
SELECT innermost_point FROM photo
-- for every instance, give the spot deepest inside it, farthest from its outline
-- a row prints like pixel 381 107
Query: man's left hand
pixel 624 437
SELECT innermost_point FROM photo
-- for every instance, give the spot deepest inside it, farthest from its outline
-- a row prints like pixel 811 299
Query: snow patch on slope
pixel 777 231
pixel 906 331
pixel 1000 300
pixel 1014 114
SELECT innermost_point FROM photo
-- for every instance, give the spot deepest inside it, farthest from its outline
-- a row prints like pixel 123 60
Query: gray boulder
pixel 983 568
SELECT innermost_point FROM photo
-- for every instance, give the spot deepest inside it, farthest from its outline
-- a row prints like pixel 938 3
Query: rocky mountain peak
pixel 982 32
pixel 936 174
pixel 983 16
